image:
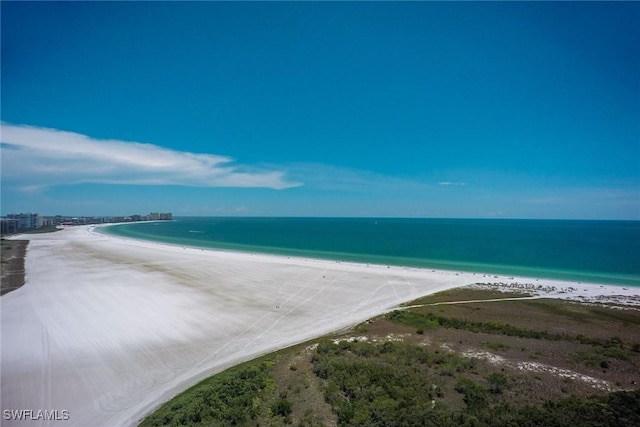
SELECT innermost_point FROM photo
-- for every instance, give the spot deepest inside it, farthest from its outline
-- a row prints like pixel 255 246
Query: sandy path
pixel 107 329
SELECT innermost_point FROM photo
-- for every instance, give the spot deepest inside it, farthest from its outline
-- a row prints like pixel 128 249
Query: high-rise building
pixel 27 221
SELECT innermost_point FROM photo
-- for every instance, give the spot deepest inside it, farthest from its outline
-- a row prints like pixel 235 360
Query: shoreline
pixel 109 328
pixel 490 269
pixel 541 287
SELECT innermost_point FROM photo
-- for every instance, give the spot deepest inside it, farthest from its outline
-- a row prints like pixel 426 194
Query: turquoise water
pixel 594 251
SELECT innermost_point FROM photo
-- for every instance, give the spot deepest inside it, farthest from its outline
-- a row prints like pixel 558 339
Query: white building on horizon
pixel 28 221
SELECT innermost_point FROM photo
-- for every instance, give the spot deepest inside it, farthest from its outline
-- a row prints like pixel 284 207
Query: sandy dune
pixel 107 329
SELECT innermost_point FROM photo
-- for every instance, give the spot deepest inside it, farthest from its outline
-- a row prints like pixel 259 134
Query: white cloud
pixel 40 157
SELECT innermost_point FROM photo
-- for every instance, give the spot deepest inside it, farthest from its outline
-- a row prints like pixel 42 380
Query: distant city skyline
pixel 410 109
pixel 25 221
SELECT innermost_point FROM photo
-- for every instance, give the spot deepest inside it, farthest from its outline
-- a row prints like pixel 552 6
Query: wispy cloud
pixel 326 177
pixel 459 184
pixel 40 157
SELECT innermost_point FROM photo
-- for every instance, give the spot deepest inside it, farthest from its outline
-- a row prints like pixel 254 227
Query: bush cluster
pixel 430 321
pixel 392 384
pixel 229 398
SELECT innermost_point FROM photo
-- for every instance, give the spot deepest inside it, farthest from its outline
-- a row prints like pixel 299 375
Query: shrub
pixel 281 407
pixel 475 395
pixel 497 383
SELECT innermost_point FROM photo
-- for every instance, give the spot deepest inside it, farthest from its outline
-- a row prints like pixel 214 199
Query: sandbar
pixel 107 328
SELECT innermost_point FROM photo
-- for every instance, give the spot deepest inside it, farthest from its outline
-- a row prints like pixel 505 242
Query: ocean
pixel 590 251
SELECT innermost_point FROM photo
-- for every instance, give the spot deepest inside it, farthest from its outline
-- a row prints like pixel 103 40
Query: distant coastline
pixel 28 222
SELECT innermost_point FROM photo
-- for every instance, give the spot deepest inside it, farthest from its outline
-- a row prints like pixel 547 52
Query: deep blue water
pixel 596 251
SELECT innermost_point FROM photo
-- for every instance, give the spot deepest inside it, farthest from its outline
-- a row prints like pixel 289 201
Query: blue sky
pixel 330 109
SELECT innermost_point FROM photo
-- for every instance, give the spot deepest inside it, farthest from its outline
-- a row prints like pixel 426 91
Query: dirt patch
pixel 12 253
pixel 299 385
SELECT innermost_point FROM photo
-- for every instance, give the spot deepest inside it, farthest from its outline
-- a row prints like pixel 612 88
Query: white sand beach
pixel 109 328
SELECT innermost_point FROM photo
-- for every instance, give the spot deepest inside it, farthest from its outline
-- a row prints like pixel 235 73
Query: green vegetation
pixel 602 352
pixel 383 384
pixel 431 321
pixel 379 384
pixel 612 348
pixel 497 382
pixel 47 229
pixel 613 410
pixel 281 407
pixel 475 396
pixel 230 398
pixel 467 294
pixel 496 346
pixel 396 384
